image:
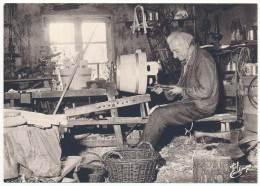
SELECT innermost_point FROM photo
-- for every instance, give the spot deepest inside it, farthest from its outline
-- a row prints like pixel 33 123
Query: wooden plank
pixel 26 80
pixel 220 117
pixel 57 94
pixel 108 121
pixel 39 119
pixel 99 143
pixel 117 103
pixel 117 128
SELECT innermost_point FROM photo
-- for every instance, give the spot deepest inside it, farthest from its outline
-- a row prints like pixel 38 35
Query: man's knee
pixel 157 117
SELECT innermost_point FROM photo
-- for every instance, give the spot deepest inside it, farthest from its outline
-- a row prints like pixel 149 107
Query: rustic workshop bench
pixel 112 105
pixel 224 120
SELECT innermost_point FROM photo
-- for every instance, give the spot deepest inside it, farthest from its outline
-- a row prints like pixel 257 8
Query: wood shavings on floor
pixel 178 155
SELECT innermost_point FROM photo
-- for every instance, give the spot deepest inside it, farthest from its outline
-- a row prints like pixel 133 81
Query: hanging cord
pixel 189 131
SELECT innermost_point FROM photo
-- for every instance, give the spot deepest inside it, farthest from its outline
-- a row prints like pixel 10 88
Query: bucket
pixel 82 75
pixel 90 170
pixel 132 72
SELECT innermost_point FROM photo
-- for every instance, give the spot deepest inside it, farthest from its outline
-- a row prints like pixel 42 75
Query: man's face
pixel 179 49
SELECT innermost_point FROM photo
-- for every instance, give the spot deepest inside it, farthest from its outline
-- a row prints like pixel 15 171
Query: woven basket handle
pixel 96 161
pixel 145 142
pixel 109 154
pixel 96 155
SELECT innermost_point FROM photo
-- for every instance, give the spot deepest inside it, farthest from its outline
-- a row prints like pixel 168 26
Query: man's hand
pixel 174 90
pixel 157 89
pixel 168 95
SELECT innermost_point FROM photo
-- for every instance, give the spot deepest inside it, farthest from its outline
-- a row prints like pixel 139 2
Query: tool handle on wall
pixel 74 71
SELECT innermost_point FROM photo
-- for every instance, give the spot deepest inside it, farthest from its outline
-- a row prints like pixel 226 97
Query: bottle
pixel 239 36
pixel 232 32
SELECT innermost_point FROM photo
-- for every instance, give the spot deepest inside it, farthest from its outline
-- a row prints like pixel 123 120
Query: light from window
pixel 61 33
pixel 63 38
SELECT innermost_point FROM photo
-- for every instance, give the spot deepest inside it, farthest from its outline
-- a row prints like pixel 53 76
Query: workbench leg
pixel 12 103
pixel 142 109
pixel 147 108
pixel 117 128
pixel 225 126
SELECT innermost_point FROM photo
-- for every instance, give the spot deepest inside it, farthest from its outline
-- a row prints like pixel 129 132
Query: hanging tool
pixel 79 57
pixel 136 24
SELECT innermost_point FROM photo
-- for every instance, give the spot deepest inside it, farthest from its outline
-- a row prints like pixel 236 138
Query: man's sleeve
pixel 205 75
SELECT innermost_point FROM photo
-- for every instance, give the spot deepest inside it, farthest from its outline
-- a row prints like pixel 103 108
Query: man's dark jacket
pixel 200 81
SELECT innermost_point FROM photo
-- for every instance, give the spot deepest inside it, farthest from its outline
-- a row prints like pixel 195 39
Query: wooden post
pixel 12 103
pixel 211 169
pixel 142 110
pixel 117 128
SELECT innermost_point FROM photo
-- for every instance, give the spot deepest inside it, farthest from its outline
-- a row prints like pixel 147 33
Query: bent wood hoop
pixel 132 72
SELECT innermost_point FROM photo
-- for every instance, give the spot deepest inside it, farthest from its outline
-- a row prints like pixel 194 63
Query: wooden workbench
pixel 110 92
pixel 12 96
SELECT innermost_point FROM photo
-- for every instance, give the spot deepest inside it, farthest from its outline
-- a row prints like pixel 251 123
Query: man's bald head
pixel 177 37
pixel 180 44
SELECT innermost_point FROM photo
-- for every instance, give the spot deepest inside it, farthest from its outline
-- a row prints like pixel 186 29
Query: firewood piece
pixel 211 169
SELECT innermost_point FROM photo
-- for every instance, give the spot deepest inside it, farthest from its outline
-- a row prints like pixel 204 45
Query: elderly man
pixel 198 86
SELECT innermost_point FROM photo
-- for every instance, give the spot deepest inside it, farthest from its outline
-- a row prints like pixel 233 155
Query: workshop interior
pixel 79 81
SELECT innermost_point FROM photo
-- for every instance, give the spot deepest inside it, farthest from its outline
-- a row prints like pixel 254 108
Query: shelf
pixel 57 94
pixel 230 108
pixel 230 72
pixel 29 79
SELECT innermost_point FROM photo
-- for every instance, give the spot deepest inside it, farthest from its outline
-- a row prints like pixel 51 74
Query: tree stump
pixel 211 169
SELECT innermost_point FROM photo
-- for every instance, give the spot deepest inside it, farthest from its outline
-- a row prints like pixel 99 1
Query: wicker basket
pixel 131 165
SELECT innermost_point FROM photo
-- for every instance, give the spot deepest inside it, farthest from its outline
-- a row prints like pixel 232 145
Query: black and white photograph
pixel 130 92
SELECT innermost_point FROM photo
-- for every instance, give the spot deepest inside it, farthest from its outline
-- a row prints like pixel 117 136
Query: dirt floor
pixel 178 155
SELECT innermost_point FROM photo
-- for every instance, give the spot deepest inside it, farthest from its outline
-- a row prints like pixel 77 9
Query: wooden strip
pixel 220 117
pixel 109 121
pixel 142 110
pixel 32 79
pixel 117 128
pixel 127 101
pixel 39 119
pixel 57 94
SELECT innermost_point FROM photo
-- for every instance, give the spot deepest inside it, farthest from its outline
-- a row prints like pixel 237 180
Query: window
pixel 71 35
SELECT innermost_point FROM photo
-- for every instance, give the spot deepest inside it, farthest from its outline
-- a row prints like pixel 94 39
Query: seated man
pixel 198 86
